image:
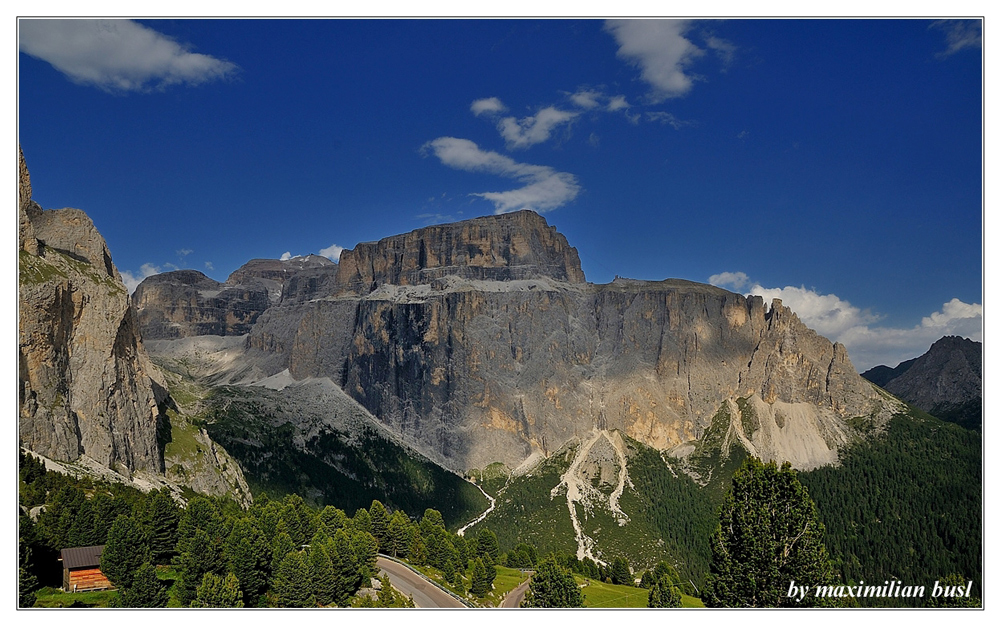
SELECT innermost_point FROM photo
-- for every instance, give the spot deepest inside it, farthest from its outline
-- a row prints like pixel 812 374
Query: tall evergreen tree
pixel 126 550
pixel 478 586
pixel 552 586
pixel 620 572
pixel 249 557
pixel 202 556
pixel 488 544
pixel 162 518
pixel 292 583
pixel 664 594
pixel 281 545
pixel 219 592
pixel 769 534
pixel 380 525
pixel 324 581
pixel 145 592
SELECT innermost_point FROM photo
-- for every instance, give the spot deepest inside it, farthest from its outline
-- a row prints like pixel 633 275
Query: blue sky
pixel 836 164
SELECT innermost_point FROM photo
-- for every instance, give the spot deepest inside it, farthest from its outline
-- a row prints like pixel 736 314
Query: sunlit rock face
pixel 480 341
pixel 85 383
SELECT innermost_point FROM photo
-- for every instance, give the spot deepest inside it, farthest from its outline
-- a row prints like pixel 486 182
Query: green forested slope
pixel 905 505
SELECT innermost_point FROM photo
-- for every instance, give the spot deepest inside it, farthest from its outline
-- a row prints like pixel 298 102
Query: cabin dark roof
pixel 87 556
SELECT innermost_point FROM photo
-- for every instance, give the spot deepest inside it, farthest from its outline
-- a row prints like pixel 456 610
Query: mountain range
pixel 469 367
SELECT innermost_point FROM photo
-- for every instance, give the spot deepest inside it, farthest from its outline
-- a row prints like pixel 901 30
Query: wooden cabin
pixel 82 569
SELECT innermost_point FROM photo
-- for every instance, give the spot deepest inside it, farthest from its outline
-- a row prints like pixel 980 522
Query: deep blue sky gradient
pixel 844 156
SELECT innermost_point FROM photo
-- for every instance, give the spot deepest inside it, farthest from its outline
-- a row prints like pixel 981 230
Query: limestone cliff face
pixel 481 376
pixel 86 385
pixel 186 303
pixel 503 247
pixel 480 341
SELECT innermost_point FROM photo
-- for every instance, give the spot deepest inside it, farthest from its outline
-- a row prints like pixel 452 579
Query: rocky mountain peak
pixel 512 246
pixel 86 385
pixel 946 381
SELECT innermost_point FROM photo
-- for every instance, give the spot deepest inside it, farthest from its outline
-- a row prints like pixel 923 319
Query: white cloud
pixel 132 281
pixel 960 34
pixel 867 344
pixel 533 129
pixel 209 266
pixel 660 50
pixel 736 280
pixel 285 256
pixel 117 55
pixel 587 99
pixel 544 188
pixel 617 103
pixel 332 253
pixel 487 105
pixel 183 252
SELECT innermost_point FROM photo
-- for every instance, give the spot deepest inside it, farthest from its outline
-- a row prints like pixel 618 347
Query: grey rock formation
pixel 186 303
pixel 946 381
pixel 86 385
pixel 502 247
pixel 481 342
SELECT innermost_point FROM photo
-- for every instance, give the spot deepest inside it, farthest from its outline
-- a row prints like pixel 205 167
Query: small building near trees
pixel 82 569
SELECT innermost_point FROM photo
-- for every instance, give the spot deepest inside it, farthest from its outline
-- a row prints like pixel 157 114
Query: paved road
pixel 425 594
pixel 513 599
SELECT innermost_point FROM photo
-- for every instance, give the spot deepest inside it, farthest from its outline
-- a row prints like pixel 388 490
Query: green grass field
pixel 52 598
pixel 598 595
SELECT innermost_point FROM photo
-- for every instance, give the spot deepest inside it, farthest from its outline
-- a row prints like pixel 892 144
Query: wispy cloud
pixel 661 51
pixel 117 55
pixel 534 129
pixel 725 50
pixel 183 252
pixel 868 343
pixel 670 119
pixel 332 253
pixel 209 266
pixel 960 34
pixel 488 106
pixel 544 188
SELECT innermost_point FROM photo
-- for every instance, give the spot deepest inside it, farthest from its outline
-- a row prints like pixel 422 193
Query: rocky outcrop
pixel 187 303
pixel 946 381
pixel 512 246
pixel 85 383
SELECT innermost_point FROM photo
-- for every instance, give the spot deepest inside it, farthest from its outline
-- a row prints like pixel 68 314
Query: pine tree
pixel 292 583
pixel 400 533
pixel 162 519
pixel 620 572
pixel 249 557
pixel 380 525
pixel 362 520
pixel 324 581
pixel 664 594
pixel 345 568
pixel 479 586
pixel 769 534
pixel 126 550
pixel 219 592
pixel 146 590
pixel 488 544
pixel 280 546
pixel 552 586
pixel 202 556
